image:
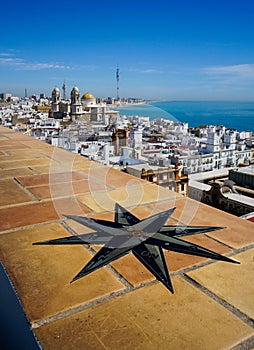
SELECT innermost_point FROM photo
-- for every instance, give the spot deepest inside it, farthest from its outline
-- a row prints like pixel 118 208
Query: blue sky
pixel 177 50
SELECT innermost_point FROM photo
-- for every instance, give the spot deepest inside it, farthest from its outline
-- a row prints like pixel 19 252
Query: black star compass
pixel 146 239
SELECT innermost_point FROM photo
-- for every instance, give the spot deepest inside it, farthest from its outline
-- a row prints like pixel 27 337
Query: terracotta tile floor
pixel 31 214
pixel 233 283
pixel 120 306
pixel 150 318
pixel 42 274
pixel 47 179
pixel 12 193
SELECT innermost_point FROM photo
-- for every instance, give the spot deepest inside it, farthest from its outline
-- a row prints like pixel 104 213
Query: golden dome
pixel 87 96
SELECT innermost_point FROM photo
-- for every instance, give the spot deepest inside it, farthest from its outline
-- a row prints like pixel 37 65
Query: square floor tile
pixel 11 193
pixel 42 274
pixel 149 318
pixel 231 282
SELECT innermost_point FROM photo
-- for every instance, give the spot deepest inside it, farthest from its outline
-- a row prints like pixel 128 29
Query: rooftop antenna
pixel 117 83
pixel 25 92
pixel 64 91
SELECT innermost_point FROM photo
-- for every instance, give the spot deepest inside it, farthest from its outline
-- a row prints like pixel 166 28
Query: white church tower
pixel 76 106
pixel 55 100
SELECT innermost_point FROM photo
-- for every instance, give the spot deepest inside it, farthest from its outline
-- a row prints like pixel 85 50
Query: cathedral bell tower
pixel 55 100
pixel 76 106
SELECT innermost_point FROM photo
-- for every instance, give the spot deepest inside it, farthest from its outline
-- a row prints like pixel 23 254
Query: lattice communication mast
pixel 117 83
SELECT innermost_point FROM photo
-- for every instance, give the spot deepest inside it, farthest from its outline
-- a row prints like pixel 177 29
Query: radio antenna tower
pixel 117 83
pixel 64 91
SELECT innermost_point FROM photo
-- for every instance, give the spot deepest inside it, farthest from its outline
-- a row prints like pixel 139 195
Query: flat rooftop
pixel 147 167
pixel 206 175
pixel 249 170
pixel 120 306
pixel 239 198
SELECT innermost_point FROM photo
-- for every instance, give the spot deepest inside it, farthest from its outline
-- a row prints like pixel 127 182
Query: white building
pixel 135 137
pixel 229 139
pixel 138 120
pixel 213 141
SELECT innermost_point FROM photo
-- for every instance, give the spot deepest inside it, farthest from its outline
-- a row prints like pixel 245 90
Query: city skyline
pixel 167 50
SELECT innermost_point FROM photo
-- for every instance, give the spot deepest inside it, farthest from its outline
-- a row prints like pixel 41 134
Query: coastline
pixel 129 104
pixel 233 115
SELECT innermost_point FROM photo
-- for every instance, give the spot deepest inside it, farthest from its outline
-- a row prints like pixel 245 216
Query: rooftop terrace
pixel 120 306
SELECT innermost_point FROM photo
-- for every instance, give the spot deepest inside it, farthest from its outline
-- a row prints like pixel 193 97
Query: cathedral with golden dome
pixel 86 108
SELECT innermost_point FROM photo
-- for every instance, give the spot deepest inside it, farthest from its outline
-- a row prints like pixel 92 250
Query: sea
pixel 233 115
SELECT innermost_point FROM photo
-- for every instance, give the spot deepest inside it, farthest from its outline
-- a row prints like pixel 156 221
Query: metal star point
pixel 145 238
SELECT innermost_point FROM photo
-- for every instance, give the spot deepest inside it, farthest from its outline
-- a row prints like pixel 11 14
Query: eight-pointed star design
pixel 146 239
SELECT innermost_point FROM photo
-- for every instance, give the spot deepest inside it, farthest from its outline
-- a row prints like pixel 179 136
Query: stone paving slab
pixel 149 318
pixel 25 163
pixel 65 189
pixel 132 270
pixel 238 232
pixel 26 153
pixel 44 169
pixel 12 193
pixel 31 214
pixel 11 144
pixel 35 144
pixel 131 195
pixel 11 173
pixel 42 274
pixel 15 135
pixel 110 176
pixel 47 179
pixel 231 282
pixel 20 155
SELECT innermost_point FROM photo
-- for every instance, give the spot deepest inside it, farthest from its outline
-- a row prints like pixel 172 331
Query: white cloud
pixel 88 67
pixel 150 71
pixel 5 54
pixel 11 61
pixel 233 76
pixel 146 71
pixel 40 66
pixel 243 70
pixel 20 64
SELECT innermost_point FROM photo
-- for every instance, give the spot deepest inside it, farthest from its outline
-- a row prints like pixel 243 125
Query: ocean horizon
pixel 231 114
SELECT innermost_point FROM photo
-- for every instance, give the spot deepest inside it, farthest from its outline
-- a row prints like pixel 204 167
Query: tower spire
pixel 64 90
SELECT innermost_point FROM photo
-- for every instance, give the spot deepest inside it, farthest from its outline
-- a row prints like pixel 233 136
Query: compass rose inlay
pixel 145 238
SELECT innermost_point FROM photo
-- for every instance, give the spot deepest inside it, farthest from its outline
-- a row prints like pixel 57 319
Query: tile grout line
pixel 32 170
pixel 16 229
pixel 123 280
pixel 215 239
pixel 6 154
pixel 245 345
pixel 239 314
pixel 15 180
pixel 130 289
pixel 89 304
pixel 47 200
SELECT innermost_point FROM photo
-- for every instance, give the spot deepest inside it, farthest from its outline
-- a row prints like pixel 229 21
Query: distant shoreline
pixel 233 115
pixel 128 104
